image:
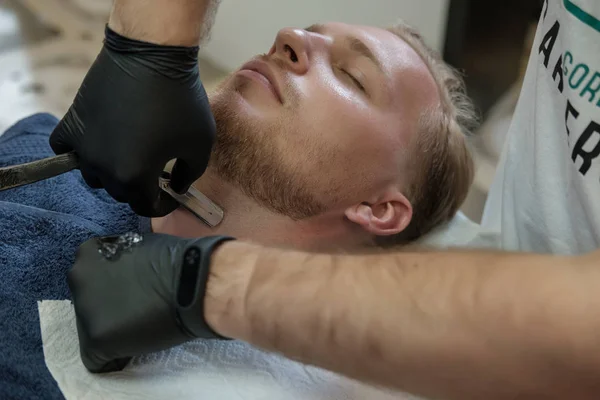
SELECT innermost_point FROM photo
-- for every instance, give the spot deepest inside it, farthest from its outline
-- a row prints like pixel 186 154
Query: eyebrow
pixel 315 28
pixel 354 44
pixel 358 46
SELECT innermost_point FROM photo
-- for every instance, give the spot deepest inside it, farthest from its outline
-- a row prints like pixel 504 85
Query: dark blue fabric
pixel 41 226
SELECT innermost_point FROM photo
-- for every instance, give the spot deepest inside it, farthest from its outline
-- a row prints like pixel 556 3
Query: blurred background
pixel 46 47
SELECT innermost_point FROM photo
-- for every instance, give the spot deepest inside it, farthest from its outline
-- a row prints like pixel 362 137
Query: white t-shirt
pixel 546 194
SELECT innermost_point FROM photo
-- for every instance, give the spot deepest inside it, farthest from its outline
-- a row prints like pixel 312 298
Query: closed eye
pixel 354 80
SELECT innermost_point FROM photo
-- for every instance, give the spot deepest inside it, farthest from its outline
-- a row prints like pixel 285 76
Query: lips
pixel 263 68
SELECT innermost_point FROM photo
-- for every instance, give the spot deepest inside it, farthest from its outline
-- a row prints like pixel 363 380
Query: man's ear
pixel 385 216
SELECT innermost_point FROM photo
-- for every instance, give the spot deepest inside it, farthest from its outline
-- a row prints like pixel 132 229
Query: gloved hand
pixel 136 294
pixel 139 106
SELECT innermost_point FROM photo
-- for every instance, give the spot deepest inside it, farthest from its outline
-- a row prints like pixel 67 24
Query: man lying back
pixel 340 137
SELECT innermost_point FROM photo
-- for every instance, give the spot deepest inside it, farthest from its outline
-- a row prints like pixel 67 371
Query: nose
pixel 292 46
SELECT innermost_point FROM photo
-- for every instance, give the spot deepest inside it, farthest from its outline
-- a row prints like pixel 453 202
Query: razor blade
pixel 194 201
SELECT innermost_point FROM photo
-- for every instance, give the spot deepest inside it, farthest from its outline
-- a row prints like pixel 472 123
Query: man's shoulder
pixel 39 123
pixel 68 197
pixel 36 124
pixel 27 139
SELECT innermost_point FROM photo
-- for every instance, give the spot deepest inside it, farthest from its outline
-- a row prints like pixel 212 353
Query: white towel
pixel 197 370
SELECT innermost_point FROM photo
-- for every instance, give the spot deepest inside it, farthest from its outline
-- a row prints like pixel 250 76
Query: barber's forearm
pixel 449 325
pixel 164 22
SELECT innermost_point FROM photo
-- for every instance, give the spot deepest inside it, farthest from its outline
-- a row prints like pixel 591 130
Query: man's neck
pixel 245 219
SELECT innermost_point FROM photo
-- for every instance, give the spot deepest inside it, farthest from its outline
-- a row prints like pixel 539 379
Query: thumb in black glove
pixel 139 106
pixel 137 294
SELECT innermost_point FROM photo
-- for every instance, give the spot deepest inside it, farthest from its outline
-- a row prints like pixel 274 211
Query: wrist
pixel 164 22
pixel 231 269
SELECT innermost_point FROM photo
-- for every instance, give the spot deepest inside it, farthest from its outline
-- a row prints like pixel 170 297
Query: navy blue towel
pixel 41 226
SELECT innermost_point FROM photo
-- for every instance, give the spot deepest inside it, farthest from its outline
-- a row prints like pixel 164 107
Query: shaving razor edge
pixel 194 201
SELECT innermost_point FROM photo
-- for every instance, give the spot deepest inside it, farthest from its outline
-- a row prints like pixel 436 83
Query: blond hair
pixel 442 169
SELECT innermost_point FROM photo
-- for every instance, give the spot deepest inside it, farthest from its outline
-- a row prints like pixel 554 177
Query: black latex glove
pixel 137 294
pixel 139 106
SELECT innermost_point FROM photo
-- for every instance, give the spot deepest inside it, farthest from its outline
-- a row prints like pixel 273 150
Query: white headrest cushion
pixel 460 231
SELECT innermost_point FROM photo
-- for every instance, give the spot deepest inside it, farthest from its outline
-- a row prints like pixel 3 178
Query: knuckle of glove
pixel 126 176
pixel 63 136
pixel 131 171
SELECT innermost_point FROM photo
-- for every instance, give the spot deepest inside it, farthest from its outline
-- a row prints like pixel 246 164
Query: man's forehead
pixel 391 50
